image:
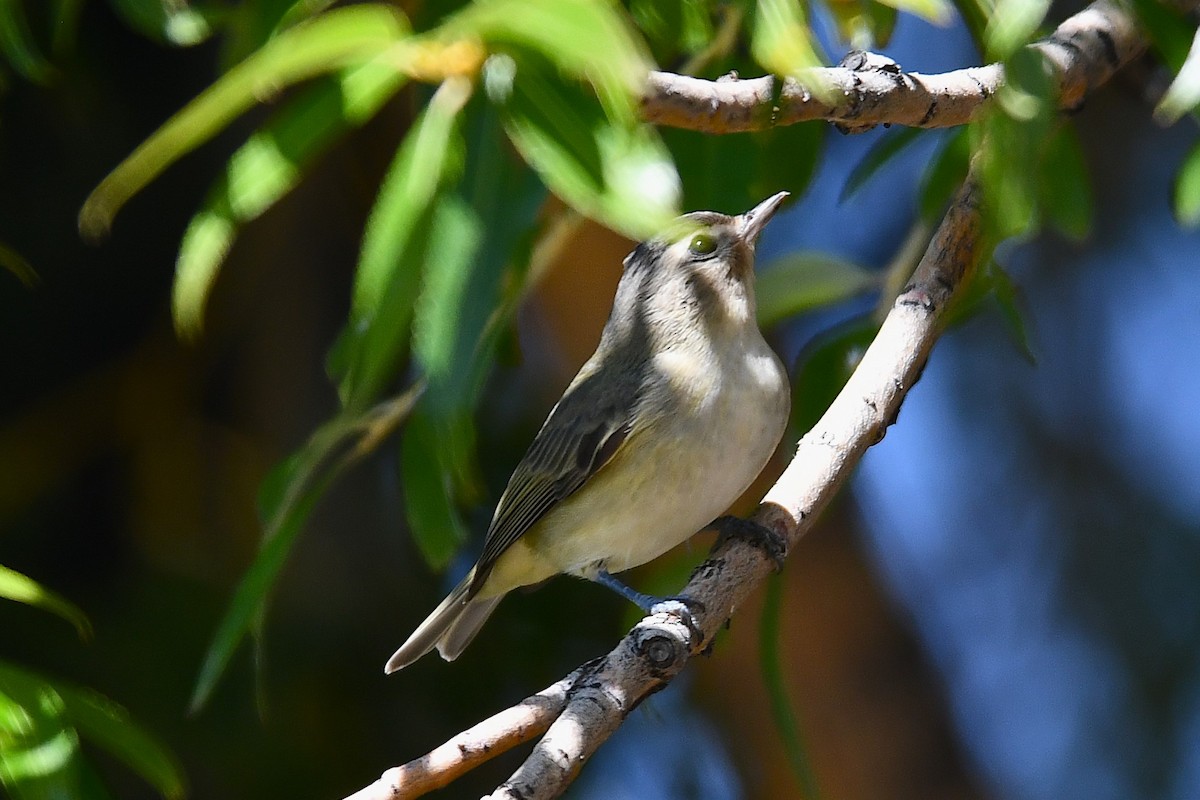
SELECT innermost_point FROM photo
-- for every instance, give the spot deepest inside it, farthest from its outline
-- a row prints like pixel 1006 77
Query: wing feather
pixel 583 432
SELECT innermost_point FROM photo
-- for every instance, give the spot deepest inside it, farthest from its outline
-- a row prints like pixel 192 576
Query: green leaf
pixel 287 498
pixel 1009 301
pixel 976 14
pixel 939 12
pixel 799 282
pixel 1012 25
pixel 586 39
pixel 767 161
pixel 1187 191
pixel 1171 32
pixel 18 45
pixel 616 172
pixel 394 249
pixel 12 261
pixel 437 527
pixel 1184 92
pixel 40 725
pixel 267 167
pixel 825 364
pixel 1065 188
pixel 39 748
pixel 944 175
pixel 783 714
pixel 170 21
pixel 22 589
pixel 782 41
pixel 864 25
pixel 109 726
pixel 335 40
pixel 1012 141
pixel 886 147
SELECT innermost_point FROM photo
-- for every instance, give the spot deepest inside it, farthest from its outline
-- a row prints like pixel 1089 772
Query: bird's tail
pixel 450 628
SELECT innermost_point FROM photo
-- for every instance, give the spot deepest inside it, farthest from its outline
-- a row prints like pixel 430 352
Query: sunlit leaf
pixel 864 25
pixel 583 38
pixel 287 499
pixel 23 589
pixel 799 282
pixel 617 173
pixel 890 144
pixel 18 45
pixel 394 249
pixel 939 12
pixel 1012 25
pixel 1187 190
pixel 266 168
pixel 55 714
pixel 109 726
pixel 170 21
pixel 1066 189
pixel 1015 131
pixel 39 748
pixel 783 42
pixel 340 38
pixel 1184 92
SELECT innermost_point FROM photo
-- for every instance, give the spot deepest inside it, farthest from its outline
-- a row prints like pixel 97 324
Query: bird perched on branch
pixel 669 421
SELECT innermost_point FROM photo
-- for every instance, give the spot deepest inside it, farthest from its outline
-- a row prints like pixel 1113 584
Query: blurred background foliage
pixel 409 217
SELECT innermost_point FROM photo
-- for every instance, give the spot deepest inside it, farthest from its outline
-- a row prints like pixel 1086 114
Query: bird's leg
pixel 678 605
pixel 772 544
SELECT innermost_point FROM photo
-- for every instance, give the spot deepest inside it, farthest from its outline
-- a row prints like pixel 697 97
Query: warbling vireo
pixel 666 424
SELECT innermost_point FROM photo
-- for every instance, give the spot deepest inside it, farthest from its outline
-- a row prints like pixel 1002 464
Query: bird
pixel 666 425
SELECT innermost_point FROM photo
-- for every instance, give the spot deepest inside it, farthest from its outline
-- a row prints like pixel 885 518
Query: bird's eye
pixel 703 244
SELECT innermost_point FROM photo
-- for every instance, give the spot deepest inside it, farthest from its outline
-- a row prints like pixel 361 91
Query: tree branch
pixel 582 710
pixel 1085 50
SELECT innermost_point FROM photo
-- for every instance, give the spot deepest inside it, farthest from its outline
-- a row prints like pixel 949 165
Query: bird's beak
pixel 751 223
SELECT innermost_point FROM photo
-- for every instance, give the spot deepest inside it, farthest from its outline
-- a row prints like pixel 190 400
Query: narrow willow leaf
pixel 1009 301
pixel 799 282
pixel 15 263
pixel 617 173
pixel 267 167
pixel 109 726
pixel 170 21
pixel 1187 191
pixel 825 364
pixel 394 247
pixel 783 42
pixel 786 720
pixel 944 175
pixel 39 748
pixel 18 45
pixel 23 589
pixel 342 37
pixel 287 498
pixel 939 12
pixel 1066 189
pixel 429 505
pixel 587 39
pixel 1012 25
pixel 1184 92
pixel 886 147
